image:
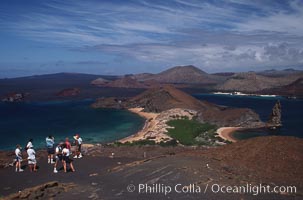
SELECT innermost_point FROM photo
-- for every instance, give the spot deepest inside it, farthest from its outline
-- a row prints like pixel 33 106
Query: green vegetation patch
pixel 192 132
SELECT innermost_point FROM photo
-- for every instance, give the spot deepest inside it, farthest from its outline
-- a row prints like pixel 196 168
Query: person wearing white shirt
pixel 32 162
pixel 18 154
pixel 78 142
pixel 66 159
pixel 59 156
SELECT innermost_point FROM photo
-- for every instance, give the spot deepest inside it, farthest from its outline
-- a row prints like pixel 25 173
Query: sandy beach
pixel 146 115
pixel 226 133
pixel 148 126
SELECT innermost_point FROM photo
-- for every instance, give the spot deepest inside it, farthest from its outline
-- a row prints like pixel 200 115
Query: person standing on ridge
pixel 29 144
pixel 66 159
pixel 50 142
pixel 78 142
pixel 18 154
pixel 59 156
pixel 32 162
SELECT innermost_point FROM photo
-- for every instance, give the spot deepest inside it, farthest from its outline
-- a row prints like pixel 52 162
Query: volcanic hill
pixel 168 97
pixel 252 82
pixel 183 75
pixel 295 89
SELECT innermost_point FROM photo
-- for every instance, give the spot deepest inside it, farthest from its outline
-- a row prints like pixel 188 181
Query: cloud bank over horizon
pixel 119 37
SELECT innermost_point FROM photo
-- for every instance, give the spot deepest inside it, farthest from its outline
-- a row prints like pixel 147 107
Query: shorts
pixel 79 148
pixel 59 157
pixel 18 159
pixel 50 150
pixel 67 159
pixel 32 161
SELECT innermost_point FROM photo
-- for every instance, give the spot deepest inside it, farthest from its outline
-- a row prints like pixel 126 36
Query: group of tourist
pixel 60 153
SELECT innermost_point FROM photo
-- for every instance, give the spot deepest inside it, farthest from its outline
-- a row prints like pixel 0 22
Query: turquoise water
pixel 21 121
pixel 292 112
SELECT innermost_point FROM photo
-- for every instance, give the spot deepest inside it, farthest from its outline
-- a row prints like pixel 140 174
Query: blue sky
pixel 120 36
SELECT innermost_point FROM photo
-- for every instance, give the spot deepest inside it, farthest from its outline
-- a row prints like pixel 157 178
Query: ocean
pixel 21 121
pixel 292 112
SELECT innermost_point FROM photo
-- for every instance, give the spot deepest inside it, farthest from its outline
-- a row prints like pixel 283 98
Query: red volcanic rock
pixel 272 157
pixel 68 92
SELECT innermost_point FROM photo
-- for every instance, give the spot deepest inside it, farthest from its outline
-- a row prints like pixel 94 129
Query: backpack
pixel 60 150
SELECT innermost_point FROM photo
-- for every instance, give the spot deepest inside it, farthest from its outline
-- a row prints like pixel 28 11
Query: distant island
pixel 286 83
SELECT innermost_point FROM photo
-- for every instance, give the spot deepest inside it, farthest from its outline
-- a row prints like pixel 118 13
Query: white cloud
pixel 134 26
pixel 223 34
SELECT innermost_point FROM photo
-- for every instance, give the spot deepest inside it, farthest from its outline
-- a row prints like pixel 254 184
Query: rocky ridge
pixel 253 82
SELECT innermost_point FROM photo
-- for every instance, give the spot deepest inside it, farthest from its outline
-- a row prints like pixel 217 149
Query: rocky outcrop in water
pixel 275 116
pixel 69 92
pixel 15 97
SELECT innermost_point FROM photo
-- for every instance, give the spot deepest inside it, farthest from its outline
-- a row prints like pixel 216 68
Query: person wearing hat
pixel 78 142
